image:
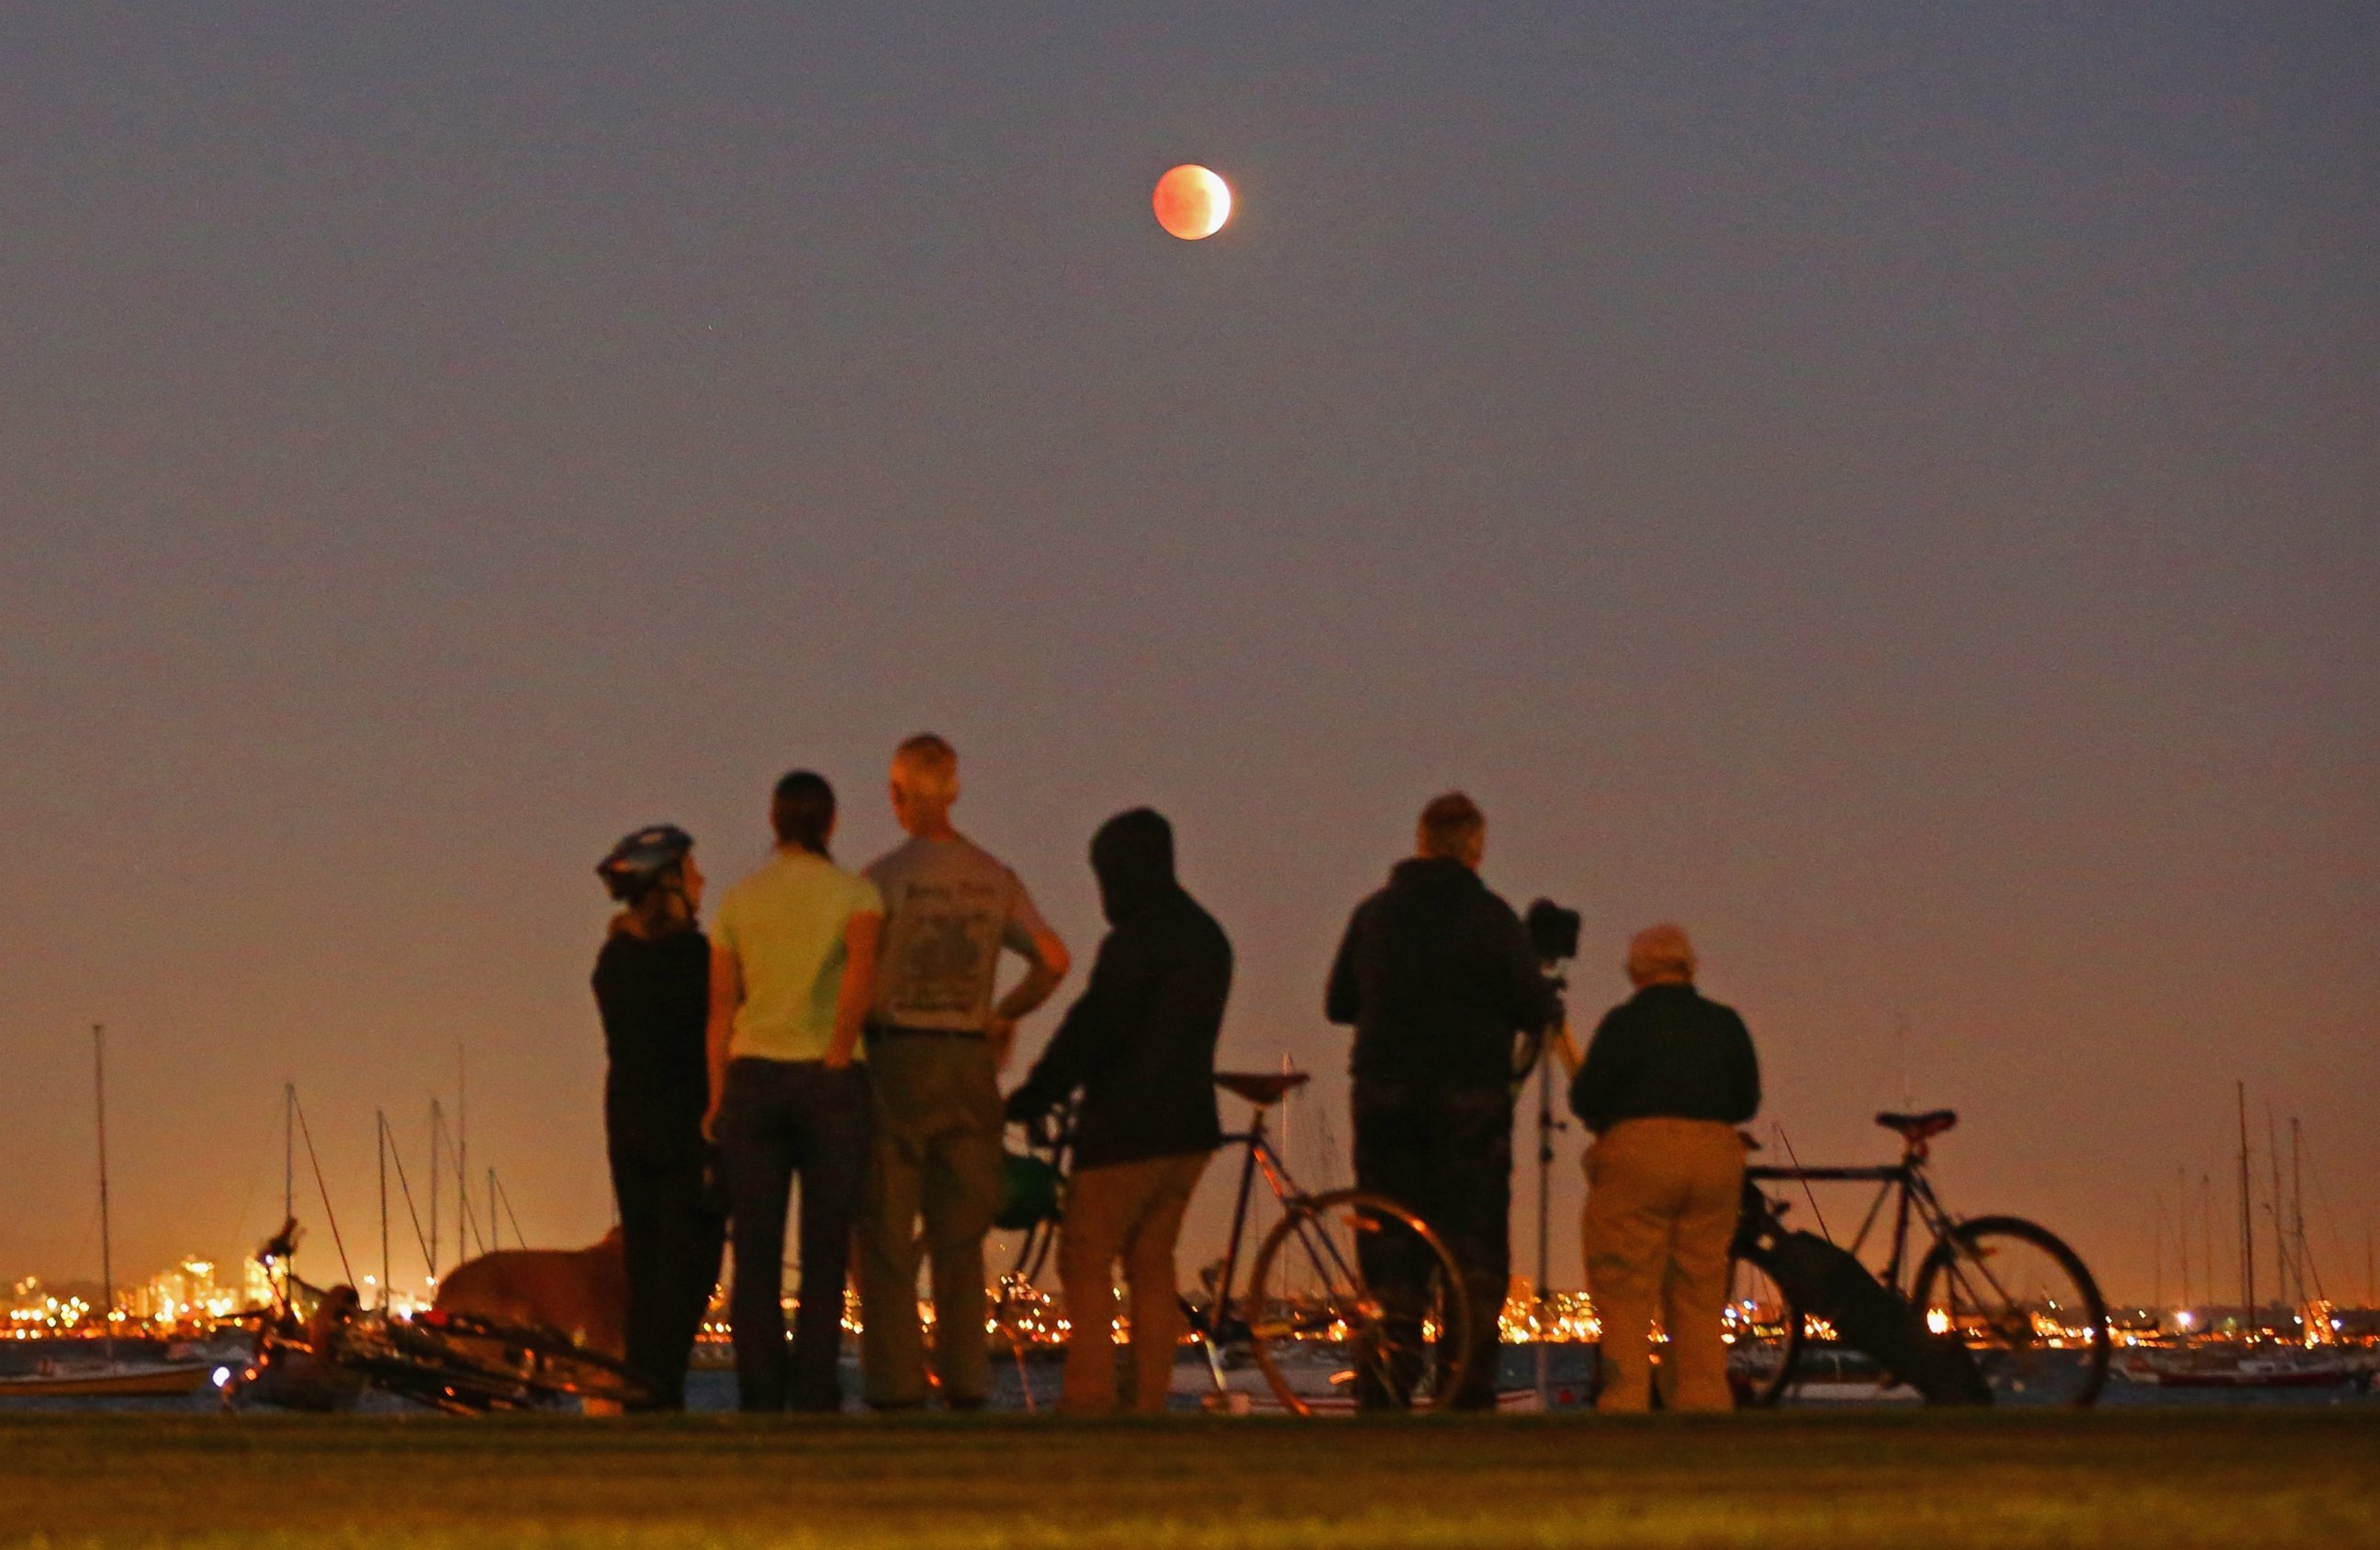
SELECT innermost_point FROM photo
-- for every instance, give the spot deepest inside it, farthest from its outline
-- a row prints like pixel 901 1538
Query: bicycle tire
pixel 1764 1379
pixel 2015 1353
pixel 1318 1235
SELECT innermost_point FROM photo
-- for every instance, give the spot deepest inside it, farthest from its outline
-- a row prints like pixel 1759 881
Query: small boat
pixel 108 1380
pixel 2241 1367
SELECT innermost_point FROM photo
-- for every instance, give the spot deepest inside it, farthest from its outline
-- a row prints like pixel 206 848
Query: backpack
pixel 1830 1283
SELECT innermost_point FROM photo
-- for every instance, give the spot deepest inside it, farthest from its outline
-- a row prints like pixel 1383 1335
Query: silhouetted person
pixel 936 1042
pixel 1140 1044
pixel 1666 1079
pixel 1437 975
pixel 792 968
pixel 652 988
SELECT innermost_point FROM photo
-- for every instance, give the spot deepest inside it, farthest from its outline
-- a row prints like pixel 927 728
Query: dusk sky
pixel 1889 487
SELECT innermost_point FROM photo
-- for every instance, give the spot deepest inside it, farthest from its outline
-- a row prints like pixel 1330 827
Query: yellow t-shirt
pixel 783 925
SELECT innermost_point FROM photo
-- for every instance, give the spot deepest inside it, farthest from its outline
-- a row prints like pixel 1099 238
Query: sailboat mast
pixel 2247 1229
pixel 106 1242
pixel 380 1145
pixel 2157 1253
pixel 2297 1207
pixel 2207 1230
pixel 437 1130
pixel 288 1152
pixel 2280 1223
pixel 462 1154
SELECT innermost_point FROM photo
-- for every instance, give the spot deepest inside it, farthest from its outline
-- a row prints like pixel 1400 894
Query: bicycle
pixel 2023 1302
pixel 1308 1318
pixel 319 1349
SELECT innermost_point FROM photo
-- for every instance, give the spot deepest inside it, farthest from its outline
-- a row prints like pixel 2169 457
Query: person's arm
pixel 1593 1090
pixel 1342 1001
pixel 1047 964
pixel 1744 1087
pixel 727 995
pixel 860 935
pixel 1047 961
pixel 1529 996
pixel 1566 1048
pixel 1114 1001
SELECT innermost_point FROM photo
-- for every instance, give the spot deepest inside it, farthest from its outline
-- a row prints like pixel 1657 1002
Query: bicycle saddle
pixel 1260 1087
pixel 1919 1127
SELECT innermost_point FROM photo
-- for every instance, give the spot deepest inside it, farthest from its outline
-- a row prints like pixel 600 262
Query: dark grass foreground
pixel 2168 1479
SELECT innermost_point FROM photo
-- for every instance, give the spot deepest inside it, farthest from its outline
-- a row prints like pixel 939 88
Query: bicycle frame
pixel 1903 1183
pixel 1220 1322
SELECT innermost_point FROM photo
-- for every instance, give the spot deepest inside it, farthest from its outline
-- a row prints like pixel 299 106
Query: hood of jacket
pixel 1133 858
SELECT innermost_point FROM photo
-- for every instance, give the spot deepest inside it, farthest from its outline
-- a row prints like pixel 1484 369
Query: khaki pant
pixel 937 1155
pixel 1661 1209
pixel 1129 1211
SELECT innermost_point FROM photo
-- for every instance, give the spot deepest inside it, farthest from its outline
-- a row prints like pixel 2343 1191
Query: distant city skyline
pixel 1889 488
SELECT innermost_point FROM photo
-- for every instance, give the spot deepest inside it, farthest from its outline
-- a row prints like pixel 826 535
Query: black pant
pixel 780 1117
pixel 670 1239
pixel 1446 1157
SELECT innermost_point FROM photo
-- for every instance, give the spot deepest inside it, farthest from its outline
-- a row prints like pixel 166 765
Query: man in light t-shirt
pixel 936 1040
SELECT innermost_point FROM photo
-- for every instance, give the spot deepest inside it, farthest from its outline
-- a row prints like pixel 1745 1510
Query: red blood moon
pixel 1192 202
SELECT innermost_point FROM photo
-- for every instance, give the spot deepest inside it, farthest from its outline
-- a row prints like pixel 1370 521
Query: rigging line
pixel 506 1196
pixel 402 1183
pixel 1787 1142
pixel 2329 1219
pixel 466 1225
pixel 322 1188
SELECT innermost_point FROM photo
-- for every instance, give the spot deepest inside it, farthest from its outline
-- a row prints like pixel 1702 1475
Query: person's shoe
pixel 896 1407
pixel 964 1404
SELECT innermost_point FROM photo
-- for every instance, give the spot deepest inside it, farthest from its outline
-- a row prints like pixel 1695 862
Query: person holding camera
pixel 1437 975
pixel 1666 1081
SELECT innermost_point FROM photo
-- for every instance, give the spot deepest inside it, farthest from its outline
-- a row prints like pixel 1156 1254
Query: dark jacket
pixel 1140 1042
pixel 1667 1053
pixel 1436 975
pixel 655 996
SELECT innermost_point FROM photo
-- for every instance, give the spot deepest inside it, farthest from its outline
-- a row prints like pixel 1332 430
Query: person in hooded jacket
pixel 1140 1045
pixel 1438 976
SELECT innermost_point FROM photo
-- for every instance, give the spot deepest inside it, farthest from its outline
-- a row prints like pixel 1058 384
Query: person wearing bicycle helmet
pixel 652 989
pixel 1666 1079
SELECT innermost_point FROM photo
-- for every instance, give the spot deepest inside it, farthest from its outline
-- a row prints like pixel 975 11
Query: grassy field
pixel 1913 1482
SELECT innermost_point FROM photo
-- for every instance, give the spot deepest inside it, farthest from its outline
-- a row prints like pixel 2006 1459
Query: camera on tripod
pixel 1553 931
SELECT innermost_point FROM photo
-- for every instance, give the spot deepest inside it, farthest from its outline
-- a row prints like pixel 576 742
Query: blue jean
pixel 777 1118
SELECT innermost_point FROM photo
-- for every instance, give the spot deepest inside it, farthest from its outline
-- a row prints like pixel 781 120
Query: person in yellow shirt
pixel 793 965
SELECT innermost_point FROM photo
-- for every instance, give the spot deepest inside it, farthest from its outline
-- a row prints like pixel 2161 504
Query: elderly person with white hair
pixel 1665 1081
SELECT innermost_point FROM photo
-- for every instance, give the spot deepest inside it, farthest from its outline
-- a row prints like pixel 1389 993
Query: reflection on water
pixel 1570 1382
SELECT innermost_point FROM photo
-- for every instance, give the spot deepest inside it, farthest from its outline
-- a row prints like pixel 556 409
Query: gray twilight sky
pixel 1892 487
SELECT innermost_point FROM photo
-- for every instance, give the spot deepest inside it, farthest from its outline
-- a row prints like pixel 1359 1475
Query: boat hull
pixel 132 1383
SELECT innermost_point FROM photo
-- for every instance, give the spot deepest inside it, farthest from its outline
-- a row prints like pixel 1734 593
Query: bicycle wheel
pixel 2026 1307
pixel 1325 1338
pixel 1764 1334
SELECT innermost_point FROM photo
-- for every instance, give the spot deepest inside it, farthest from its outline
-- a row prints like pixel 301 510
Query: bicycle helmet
pixel 637 862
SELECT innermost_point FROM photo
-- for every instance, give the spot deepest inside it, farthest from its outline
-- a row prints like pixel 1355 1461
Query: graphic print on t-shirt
pixel 950 935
